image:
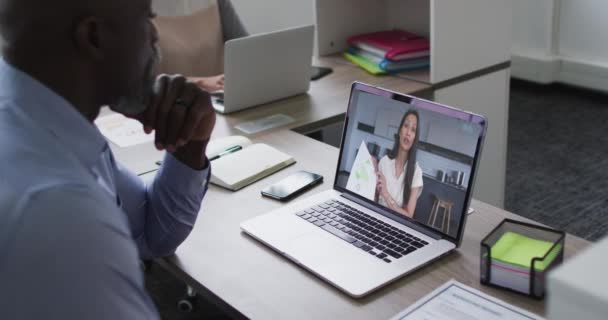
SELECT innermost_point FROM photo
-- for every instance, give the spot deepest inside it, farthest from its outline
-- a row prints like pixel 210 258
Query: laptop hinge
pixel 425 230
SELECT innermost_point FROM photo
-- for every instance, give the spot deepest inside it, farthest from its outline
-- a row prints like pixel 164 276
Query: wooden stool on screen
pixel 439 203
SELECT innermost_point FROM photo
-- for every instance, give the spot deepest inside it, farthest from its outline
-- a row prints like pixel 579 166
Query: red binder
pixel 394 44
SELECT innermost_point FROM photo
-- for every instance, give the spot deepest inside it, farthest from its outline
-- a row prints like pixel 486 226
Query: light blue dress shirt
pixel 73 222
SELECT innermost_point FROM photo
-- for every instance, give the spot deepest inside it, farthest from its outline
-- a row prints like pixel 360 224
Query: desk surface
pixel 261 284
pixel 220 261
pixel 325 103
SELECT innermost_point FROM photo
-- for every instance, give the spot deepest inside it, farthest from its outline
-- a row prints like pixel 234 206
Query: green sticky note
pixel 519 250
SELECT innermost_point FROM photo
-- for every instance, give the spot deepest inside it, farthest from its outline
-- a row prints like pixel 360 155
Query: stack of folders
pixel 389 51
pixel 511 261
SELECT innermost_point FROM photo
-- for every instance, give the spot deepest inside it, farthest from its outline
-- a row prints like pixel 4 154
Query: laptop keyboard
pixel 363 231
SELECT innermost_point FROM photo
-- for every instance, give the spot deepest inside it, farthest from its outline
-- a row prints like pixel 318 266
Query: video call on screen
pixel 444 152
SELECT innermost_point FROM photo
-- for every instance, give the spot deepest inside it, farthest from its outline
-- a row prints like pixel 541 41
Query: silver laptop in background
pixel 345 235
pixel 265 67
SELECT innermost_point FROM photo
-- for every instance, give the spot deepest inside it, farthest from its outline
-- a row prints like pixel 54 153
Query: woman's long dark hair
pixel 410 168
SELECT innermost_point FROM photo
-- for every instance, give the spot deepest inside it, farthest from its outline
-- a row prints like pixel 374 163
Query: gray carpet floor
pixel 557 162
pixel 557 174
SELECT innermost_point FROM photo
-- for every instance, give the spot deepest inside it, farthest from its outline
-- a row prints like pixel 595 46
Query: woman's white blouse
pixel 394 184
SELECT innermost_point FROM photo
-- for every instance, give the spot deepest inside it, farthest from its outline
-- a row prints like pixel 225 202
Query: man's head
pixel 92 52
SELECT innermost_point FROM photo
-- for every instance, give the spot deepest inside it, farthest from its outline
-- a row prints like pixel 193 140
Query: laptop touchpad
pixel 310 248
pixel 320 248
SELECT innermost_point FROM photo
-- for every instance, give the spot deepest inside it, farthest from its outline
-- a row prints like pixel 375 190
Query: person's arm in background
pixel 232 28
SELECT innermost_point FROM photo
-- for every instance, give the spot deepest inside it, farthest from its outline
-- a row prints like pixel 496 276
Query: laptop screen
pixel 413 157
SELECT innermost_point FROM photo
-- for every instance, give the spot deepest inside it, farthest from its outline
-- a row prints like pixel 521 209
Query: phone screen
pixel 291 185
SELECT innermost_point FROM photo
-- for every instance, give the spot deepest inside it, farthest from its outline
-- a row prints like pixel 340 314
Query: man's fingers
pixel 195 115
pixel 175 120
pixel 180 115
pixel 172 91
pixel 179 112
pixel 200 118
pixel 158 95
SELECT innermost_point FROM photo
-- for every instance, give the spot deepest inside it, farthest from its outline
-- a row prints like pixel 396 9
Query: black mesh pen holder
pixel 529 278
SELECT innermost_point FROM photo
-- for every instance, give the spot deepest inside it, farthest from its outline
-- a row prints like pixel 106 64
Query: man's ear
pixel 89 38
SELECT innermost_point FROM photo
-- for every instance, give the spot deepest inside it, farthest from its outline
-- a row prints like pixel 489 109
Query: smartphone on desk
pixel 319 72
pixel 292 185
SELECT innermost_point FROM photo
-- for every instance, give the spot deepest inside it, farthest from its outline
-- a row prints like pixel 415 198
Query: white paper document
pixel 123 131
pixel 456 301
pixel 362 179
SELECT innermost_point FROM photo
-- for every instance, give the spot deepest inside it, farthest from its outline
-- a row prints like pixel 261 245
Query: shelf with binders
pixel 465 36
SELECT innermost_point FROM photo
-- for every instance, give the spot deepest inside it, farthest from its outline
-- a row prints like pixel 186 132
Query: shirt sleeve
pixel 417 181
pixel 232 27
pixel 72 257
pixel 162 213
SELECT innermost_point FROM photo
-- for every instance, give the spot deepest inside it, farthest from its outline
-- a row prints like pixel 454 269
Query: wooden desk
pixel 218 260
pixel 325 103
pixel 248 279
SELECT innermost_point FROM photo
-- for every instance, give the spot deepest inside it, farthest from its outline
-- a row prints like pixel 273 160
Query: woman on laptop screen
pixel 399 175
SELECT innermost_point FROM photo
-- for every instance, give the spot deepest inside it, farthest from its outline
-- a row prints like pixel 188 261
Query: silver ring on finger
pixel 181 102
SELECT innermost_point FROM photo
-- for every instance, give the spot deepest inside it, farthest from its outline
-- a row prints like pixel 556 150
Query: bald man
pixel 74 223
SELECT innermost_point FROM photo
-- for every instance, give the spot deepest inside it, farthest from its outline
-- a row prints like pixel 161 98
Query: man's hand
pixel 183 118
pixel 209 83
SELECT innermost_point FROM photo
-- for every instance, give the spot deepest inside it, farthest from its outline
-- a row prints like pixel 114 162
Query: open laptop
pixel 265 67
pixel 349 239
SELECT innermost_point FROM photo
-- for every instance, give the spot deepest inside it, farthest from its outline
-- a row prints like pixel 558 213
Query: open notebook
pixel 251 162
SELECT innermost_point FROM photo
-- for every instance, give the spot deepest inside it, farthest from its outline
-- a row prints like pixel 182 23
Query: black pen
pixel 227 151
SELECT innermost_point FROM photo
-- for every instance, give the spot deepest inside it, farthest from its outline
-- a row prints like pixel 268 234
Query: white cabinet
pixel 468 35
pixel 489 96
pixel 577 289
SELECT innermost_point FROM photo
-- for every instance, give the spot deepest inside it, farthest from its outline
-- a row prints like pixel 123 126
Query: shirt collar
pixel 52 112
